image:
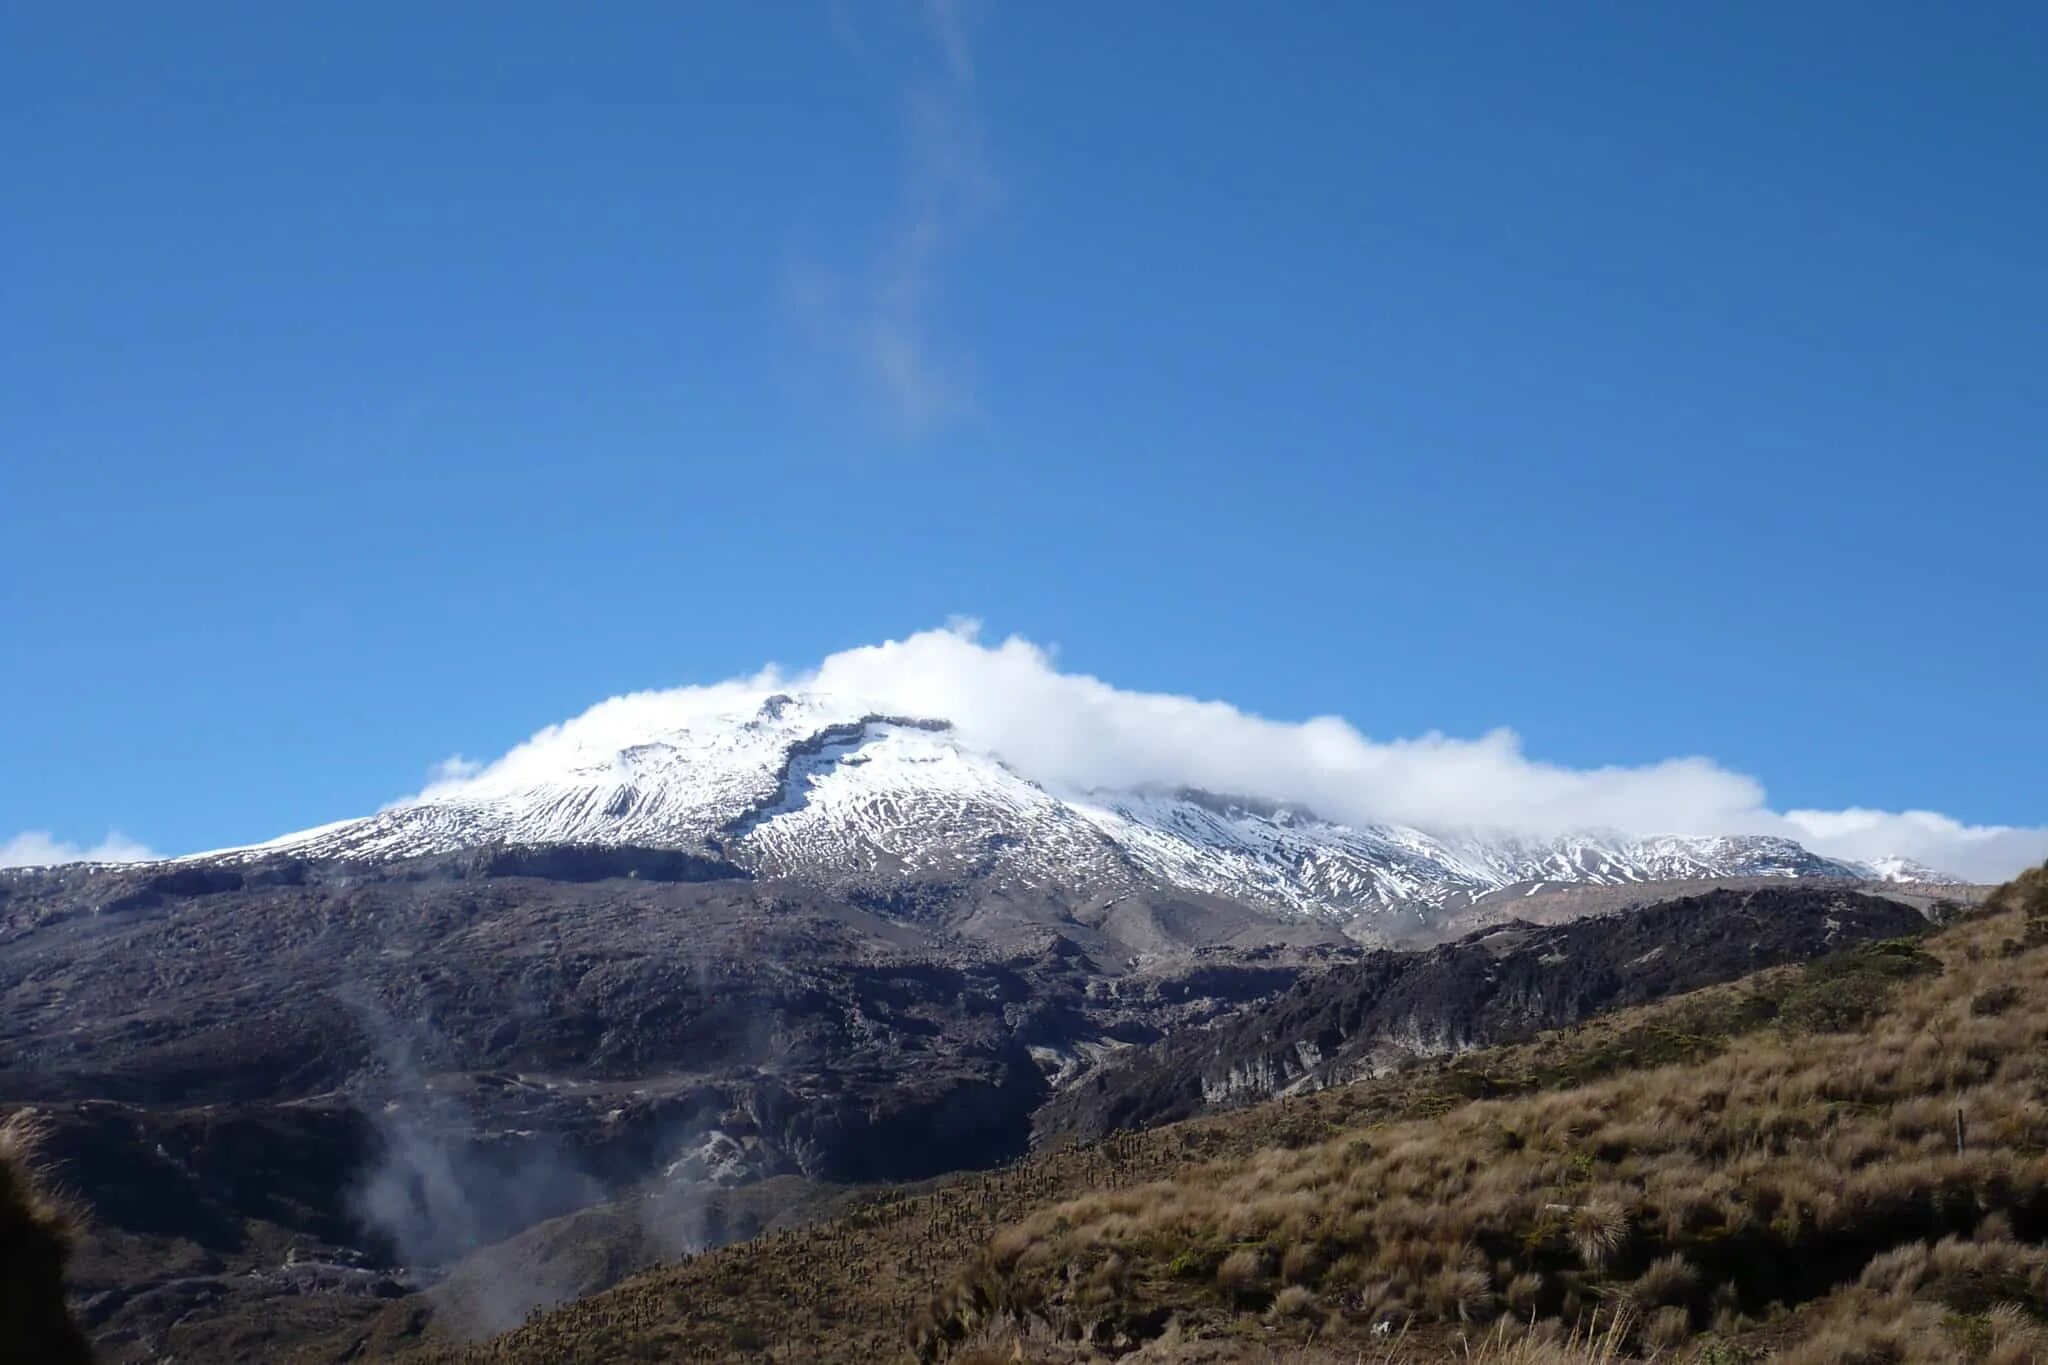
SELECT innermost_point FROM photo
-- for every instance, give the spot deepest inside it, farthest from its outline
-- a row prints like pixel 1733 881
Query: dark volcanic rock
pixel 199 1173
pixel 593 863
pixel 1494 986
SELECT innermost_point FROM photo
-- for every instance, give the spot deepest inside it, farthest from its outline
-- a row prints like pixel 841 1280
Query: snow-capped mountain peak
pixel 830 788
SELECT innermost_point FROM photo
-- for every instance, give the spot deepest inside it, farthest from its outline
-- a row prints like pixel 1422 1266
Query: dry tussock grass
pixel 1602 1340
pixel 35 1245
pixel 1705 1195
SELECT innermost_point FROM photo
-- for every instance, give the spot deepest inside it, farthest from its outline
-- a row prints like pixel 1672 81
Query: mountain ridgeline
pixel 828 791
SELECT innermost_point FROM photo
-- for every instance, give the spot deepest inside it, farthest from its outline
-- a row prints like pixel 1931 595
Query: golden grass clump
pixel 35 1245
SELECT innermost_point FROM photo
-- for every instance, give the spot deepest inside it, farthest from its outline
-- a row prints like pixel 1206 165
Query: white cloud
pixel 37 848
pixel 454 768
pixel 882 319
pixel 1069 730
pixel 1989 853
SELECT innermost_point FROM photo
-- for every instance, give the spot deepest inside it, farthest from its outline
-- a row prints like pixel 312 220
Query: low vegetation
pixel 1883 1136
pixel 35 1244
pixel 1828 1165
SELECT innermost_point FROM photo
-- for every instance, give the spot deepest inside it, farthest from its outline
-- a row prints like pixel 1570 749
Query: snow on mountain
pixel 1906 870
pixel 825 788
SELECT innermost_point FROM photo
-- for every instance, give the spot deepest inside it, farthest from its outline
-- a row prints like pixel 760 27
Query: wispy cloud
pixel 454 768
pixel 1074 732
pixel 944 18
pixel 39 848
pixel 883 317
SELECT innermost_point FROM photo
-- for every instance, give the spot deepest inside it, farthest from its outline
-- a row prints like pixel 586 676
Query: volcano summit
pixel 829 791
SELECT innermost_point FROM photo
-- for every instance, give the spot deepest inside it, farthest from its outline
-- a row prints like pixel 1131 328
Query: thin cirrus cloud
pixel 1069 731
pixel 880 318
pixel 39 848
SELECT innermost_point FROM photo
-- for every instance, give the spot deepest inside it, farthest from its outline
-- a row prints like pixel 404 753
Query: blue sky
pixel 384 384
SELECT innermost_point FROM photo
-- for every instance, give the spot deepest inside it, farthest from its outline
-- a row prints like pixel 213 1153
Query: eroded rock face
pixel 1495 986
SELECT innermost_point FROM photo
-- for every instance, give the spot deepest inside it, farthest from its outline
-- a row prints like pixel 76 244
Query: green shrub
pixel 1844 991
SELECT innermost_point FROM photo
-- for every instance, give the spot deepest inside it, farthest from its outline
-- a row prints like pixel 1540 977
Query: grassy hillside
pixel 851 1288
pixel 1766 1170
pixel 1882 1146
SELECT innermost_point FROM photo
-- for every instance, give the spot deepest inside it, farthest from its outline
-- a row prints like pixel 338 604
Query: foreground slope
pixel 1845 1162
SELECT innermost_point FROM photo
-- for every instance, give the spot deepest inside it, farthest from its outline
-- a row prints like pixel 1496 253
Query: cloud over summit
pixel 1072 731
